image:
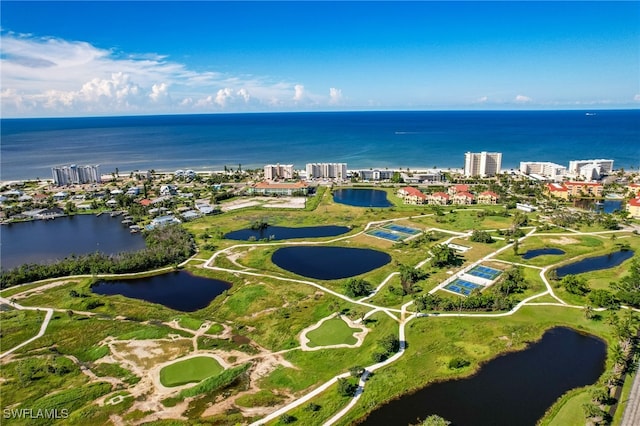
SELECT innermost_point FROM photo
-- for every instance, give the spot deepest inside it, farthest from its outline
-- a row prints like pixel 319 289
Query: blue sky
pixel 121 58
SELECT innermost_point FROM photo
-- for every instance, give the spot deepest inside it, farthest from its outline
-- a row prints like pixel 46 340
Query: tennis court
pixel 379 233
pixel 484 272
pixel 461 287
pixel 403 229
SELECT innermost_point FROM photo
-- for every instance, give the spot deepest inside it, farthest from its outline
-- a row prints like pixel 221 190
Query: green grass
pixel 191 370
pixel 332 332
pixel 215 329
pixel 262 398
pixel 18 326
pixel 190 323
pixel 568 410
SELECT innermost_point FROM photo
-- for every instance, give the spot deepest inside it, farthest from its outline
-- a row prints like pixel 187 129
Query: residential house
pixel 439 198
pixel 454 189
pixel 633 207
pixel 273 188
pixel 488 197
pixel 411 195
pixel 464 198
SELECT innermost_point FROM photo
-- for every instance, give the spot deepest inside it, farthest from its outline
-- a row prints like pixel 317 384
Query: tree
pixel 356 287
pixel 603 298
pixel 356 371
pixel 435 420
pixel 443 255
pixel 287 418
pixel 628 288
pixel 481 237
pixel 516 246
pixel 346 388
pixel 512 281
pixel 575 285
pixel 390 343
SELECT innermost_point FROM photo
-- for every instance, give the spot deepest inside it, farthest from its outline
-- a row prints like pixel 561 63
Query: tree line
pixel 168 245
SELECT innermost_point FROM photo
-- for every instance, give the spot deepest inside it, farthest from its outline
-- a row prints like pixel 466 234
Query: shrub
pixel 458 362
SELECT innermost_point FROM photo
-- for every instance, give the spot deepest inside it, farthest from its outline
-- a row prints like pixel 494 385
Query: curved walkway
pixel 43 327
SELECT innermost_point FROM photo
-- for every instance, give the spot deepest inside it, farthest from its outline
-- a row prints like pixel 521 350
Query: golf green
pixel 190 370
pixel 332 332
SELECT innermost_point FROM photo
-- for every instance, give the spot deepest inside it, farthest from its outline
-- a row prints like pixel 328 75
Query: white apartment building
pixel 482 164
pixel 590 169
pixel 326 170
pixel 75 175
pixel 545 169
pixel 277 171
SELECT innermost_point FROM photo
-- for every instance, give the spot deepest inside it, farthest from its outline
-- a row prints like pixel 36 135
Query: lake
pixel 45 241
pixel 329 263
pixel 513 389
pixel 362 197
pixel 589 264
pixel 285 233
pixel 179 290
pixel 530 254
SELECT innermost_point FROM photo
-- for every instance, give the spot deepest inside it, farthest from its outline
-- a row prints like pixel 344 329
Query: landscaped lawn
pixel 332 332
pixel 191 370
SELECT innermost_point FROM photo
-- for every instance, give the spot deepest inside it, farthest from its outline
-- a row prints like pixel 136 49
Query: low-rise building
pixel 488 197
pixel 411 195
pixel 439 198
pixel 454 189
pixel 274 188
pixel 537 169
pixel 463 198
pixel 575 189
pixel 633 207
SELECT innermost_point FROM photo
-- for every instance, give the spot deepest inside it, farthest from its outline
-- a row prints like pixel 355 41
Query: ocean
pixel 393 139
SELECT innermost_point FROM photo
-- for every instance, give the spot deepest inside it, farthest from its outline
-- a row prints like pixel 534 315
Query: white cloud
pixel 223 95
pixel 482 99
pixel 52 76
pixel 335 95
pixel 522 99
pixel 636 98
pixel 299 92
pixel 159 91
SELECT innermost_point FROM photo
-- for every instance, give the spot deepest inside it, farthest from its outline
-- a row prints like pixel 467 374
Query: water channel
pixel 597 263
pixel 285 233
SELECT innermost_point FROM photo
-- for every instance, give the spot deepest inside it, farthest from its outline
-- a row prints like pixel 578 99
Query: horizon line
pixel 328 111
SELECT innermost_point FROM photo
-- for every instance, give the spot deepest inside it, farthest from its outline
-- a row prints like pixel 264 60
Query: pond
pixel 590 264
pixel 179 290
pixel 45 241
pixel 513 389
pixel 530 254
pixel 606 206
pixel 329 263
pixel 285 233
pixel 362 197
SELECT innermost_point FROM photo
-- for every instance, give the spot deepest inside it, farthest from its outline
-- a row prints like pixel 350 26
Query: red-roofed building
pixel 411 195
pixel 454 189
pixel 439 198
pixel 463 198
pixel 558 190
pixel 634 189
pixel 488 197
pixel 273 188
pixel 145 202
pixel 587 189
pixel 633 207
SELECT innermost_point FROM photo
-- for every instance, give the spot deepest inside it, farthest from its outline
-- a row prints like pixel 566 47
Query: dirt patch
pixel 563 240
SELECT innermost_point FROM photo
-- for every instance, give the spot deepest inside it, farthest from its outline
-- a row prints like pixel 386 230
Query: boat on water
pixel 590 113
